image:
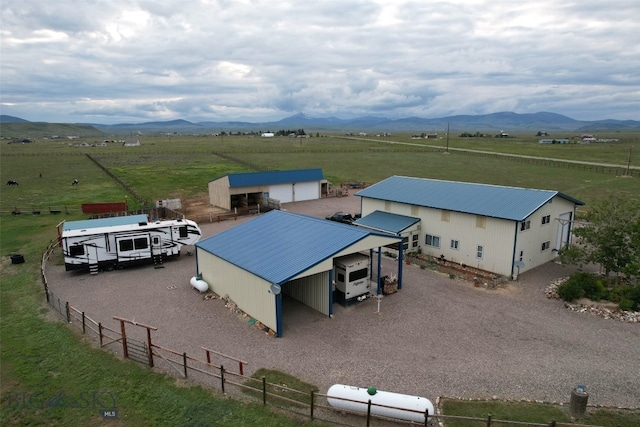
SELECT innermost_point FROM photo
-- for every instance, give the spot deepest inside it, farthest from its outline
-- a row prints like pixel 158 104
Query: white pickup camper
pixel 108 243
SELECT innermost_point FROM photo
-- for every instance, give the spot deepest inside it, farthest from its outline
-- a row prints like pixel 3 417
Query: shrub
pixel 580 285
pixel 570 290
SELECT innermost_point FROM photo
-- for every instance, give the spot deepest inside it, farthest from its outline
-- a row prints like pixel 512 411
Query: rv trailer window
pixel 183 231
pixel 126 245
pixel 76 250
pixel 141 243
pixel 340 277
pixel 357 275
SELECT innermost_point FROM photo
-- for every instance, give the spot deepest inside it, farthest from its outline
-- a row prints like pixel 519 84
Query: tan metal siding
pixel 530 241
pixel 249 292
pixel 219 193
pixel 311 290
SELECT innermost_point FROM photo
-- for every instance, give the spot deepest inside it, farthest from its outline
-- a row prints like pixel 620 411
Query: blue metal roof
pixel 386 221
pixel 496 201
pixel 103 222
pixel 249 179
pixel 278 246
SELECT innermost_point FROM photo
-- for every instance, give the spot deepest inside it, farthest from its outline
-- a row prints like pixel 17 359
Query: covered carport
pixel 280 252
pixel 405 227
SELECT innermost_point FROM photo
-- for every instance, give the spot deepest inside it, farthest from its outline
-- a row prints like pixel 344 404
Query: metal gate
pixel 137 350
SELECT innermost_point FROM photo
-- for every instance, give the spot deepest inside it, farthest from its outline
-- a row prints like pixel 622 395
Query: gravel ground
pixel 435 337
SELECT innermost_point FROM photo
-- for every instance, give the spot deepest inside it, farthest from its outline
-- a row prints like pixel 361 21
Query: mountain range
pixel 505 121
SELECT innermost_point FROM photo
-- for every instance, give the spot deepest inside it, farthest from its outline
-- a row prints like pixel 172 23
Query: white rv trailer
pixel 108 243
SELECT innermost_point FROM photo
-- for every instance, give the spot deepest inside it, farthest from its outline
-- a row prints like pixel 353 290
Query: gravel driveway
pixel 435 337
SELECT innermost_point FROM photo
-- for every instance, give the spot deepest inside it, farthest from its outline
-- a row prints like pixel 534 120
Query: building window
pixel 445 216
pixel 479 251
pixel 525 225
pixel 183 231
pixel 414 241
pixel 481 221
pixel 432 241
pixel 455 244
pixel 546 219
pixel 546 245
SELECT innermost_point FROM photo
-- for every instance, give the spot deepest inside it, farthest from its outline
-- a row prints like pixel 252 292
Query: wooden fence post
pixel 150 348
pixel 312 399
pixel 264 390
pixel 66 308
pixel 222 377
pixel 100 333
pixel 84 327
pixel 184 363
pixel 488 420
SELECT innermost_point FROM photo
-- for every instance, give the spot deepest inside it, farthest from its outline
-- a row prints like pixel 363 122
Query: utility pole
pixel 629 160
pixel 447 150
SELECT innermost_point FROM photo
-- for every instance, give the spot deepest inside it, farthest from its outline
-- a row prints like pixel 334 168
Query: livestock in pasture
pixel 75 182
pixel 12 183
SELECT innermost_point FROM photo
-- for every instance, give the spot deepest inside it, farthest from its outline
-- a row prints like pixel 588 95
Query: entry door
pixel 564 231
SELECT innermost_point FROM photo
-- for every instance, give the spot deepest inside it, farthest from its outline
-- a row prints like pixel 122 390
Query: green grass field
pixel 39 355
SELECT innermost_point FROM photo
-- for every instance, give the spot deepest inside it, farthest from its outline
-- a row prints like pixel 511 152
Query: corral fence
pixel 204 370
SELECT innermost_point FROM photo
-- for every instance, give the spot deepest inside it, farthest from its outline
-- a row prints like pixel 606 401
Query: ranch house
pixel 241 190
pixel 501 230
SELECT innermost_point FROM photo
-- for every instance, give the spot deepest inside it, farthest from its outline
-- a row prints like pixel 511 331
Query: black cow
pixel 12 182
pixel 75 182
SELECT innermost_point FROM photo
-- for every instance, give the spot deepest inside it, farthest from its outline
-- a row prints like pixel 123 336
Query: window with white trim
pixel 414 241
pixel 455 244
pixel 479 251
pixel 546 219
pixel 546 245
pixel 432 241
pixel 525 225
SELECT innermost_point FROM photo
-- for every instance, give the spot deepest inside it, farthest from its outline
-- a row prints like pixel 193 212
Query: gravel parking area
pixel 435 337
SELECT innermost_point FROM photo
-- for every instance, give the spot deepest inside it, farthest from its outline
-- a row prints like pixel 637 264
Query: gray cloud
pixel 127 60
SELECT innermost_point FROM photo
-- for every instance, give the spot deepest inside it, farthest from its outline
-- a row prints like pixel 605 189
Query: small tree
pixel 611 238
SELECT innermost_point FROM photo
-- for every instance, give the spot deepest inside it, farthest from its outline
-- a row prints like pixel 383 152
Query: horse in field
pixel 12 183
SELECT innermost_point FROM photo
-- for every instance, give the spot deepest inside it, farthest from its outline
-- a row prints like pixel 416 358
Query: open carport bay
pixel 434 337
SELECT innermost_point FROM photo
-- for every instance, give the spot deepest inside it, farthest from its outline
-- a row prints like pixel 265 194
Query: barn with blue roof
pixel 498 229
pixel 283 253
pixel 248 189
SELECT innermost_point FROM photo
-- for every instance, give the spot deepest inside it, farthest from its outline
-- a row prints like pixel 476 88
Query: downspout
pixel 400 258
pixel 515 244
pixel 279 315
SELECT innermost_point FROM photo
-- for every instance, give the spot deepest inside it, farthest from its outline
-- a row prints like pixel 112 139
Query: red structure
pixel 99 208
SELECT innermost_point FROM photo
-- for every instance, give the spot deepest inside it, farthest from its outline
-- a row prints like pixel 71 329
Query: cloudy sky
pixel 115 61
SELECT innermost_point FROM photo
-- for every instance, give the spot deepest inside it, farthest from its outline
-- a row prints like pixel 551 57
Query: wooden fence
pixel 311 404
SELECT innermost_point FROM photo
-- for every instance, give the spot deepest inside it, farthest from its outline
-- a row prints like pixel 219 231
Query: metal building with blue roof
pixel 498 229
pixel 278 253
pixel 248 189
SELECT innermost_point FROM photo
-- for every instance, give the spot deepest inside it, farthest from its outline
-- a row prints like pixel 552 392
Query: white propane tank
pixel 199 284
pixel 358 399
